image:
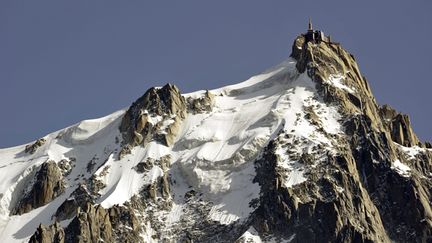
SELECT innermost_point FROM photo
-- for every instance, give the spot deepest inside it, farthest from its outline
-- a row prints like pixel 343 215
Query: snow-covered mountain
pixel 299 153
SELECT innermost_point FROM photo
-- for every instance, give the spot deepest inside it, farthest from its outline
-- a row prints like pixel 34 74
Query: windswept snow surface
pixel 214 153
pixel 86 141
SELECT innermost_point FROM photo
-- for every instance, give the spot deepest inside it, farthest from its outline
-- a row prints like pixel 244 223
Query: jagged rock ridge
pixel 47 185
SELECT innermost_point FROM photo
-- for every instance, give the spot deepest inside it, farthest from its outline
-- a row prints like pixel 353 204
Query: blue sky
pixel 65 61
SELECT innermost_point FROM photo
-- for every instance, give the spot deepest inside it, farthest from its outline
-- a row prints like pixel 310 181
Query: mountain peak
pixel 301 152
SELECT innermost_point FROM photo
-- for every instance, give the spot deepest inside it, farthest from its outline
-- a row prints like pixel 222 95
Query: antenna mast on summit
pixel 310 25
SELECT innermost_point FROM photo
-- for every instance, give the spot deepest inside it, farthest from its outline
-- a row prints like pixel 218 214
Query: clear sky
pixel 66 61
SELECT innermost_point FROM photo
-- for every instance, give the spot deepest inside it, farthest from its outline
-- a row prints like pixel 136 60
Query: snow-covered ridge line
pixel 213 154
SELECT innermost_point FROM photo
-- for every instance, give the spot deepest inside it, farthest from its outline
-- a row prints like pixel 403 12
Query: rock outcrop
pixel 93 223
pixel 155 116
pixel 48 234
pixel 33 147
pixel 325 62
pixel 331 206
pixel 47 185
pixel 78 199
pixel 399 126
pixel 357 195
pixel 161 186
pixel 201 104
pixel 96 224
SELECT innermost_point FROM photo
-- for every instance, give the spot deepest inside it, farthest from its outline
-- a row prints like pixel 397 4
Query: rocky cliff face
pixel 377 200
pixel 156 115
pixel 92 224
pixel 43 188
pixel 399 126
pixel 52 233
pixel 302 153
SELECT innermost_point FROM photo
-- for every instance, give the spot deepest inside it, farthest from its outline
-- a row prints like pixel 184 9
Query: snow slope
pixel 213 154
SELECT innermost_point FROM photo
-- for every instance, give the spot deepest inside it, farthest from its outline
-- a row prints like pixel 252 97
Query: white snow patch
pixel 154 119
pixel 234 203
pixel 336 80
pixel 88 131
pixel 215 152
pixel 401 168
pixel 175 214
pixel 250 236
pixel 295 170
pixel 291 108
pixel 147 233
pixel 123 181
pixel 411 152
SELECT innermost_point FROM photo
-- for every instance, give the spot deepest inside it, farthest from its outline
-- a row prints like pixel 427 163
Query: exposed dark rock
pixel 48 234
pixel 312 116
pixel 91 164
pixel 95 185
pixel 316 210
pixel 202 104
pixel 365 168
pixel 391 192
pixel 399 126
pixel 96 224
pixel 144 166
pixel 136 127
pixel 190 194
pixel 47 185
pixel 126 149
pixel 93 223
pixel 65 166
pixel 33 147
pixel 78 199
pixel 322 61
pixel 161 186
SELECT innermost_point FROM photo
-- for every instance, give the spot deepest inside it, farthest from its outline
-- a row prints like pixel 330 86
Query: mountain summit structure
pixel 315 35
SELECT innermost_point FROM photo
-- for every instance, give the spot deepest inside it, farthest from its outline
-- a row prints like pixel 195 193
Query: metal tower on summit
pixel 310 28
pixel 315 35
